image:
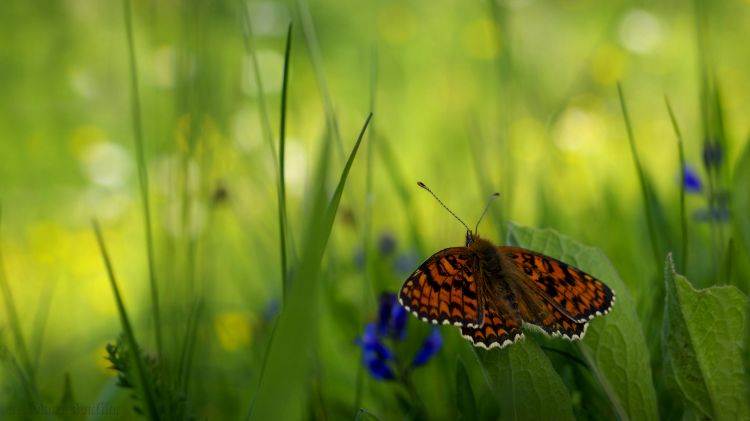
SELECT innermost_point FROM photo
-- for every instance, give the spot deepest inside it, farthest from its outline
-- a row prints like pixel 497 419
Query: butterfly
pixel 491 291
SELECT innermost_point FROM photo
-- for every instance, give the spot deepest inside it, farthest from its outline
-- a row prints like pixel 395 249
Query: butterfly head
pixel 470 238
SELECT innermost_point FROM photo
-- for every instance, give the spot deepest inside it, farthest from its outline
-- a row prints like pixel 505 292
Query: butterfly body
pixel 490 292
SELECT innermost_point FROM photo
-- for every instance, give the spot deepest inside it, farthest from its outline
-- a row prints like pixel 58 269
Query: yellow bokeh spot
pixel 233 329
pixel 607 65
pixel 50 243
pixel 482 39
pixel 580 130
pixel 83 137
pixel 396 24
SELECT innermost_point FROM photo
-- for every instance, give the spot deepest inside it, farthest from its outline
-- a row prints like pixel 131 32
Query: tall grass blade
pixel 13 320
pixel 280 394
pixel 645 188
pixel 40 323
pixel 31 396
pixel 143 177
pixel 683 216
pixel 143 378
pixel 367 230
pixel 282 167
pixel 188 348
pixel 265 120
pixel 311 37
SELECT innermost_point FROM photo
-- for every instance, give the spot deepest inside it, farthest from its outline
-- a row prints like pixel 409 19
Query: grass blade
pixel 308 28
pixel 265 120
pixel 683 216
pixel 281 391
pixel 367 290
pixel 282 167
pixel 13 321
pixel 645 190
pixel 143 177
pixel 127 328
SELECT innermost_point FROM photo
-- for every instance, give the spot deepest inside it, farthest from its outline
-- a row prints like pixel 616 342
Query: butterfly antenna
pixel 422 185
pixel 486 208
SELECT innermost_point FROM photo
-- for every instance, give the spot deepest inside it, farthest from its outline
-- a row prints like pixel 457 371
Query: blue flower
pixel 391 317
pixel 377 356
pixel 430 347
pixel 691 180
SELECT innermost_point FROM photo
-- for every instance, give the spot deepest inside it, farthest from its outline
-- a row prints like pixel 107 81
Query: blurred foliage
pixel 516 96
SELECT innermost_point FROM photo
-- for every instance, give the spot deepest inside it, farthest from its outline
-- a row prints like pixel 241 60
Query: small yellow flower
pixel 233 329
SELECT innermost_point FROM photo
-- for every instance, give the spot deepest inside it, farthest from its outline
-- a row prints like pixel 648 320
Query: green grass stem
pixel 367 290
pixel 645 191
pixel 683 216
pixel 13 320
pixel 143 177
pixel 250 47
pixel 40 323
pixel 287 363
pixel 148 393
pixel 282 167
pixel 316 57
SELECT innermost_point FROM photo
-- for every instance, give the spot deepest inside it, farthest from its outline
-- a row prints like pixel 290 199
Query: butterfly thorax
pixel 490 262
pixel 495 277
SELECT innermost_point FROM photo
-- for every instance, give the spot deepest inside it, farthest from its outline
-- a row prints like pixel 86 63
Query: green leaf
pixel 614 347
pixel 465 402
pixel 363 415
pixel 525 384
pixel 702 339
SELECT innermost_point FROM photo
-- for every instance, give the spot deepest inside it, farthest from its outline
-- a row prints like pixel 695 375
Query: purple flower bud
pixel 375 355
pixel 430 347
pixel 691 180
pixel 391 317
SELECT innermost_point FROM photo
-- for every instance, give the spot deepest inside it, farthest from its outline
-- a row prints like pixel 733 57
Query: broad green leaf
pixel 702 339
pixel 614 347
pixel 465 402
pixel 363 415
pixel 525 384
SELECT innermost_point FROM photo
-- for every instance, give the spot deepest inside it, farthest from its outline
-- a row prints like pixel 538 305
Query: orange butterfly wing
pixel 496 332
pixel 574 294
pixel 558 324
pixel 444 289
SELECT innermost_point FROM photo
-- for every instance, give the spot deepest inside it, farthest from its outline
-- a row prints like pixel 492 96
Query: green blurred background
pixel 516 96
